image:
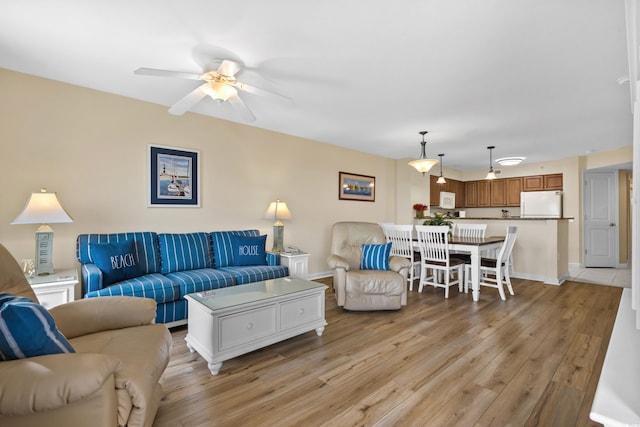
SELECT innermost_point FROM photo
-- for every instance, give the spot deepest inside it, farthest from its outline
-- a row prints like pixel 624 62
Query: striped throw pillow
pixel 28 330
pixel 182 252
pixel 375 257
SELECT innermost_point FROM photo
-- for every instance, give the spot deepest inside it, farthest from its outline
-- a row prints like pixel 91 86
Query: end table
pixel 298 264
pixel 55 289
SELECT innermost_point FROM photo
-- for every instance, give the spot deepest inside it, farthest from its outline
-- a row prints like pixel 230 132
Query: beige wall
pixel 91 148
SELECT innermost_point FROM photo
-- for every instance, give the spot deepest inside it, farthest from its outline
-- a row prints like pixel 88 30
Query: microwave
pixel 447 200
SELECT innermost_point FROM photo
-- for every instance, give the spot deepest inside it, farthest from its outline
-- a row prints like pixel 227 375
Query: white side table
pixel 298 264
pixel 55 289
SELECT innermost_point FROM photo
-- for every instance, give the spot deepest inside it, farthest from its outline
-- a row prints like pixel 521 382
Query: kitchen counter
pixel 541 251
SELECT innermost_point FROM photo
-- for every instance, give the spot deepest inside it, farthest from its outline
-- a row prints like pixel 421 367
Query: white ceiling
pixel 535 78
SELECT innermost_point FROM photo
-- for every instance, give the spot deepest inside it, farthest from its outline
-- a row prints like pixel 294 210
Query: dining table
pixel 473 246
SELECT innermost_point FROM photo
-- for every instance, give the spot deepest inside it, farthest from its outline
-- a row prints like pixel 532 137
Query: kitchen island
pixel 541 251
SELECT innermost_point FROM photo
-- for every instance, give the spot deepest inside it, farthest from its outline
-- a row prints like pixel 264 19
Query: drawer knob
pixel 301 310
pixel 249 325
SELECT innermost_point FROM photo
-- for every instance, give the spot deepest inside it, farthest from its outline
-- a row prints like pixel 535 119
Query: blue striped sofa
pixel 174 265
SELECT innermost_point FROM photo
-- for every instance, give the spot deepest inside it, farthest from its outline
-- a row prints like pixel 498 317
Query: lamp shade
pixel 423 165
pixel 42 208
pixel 277 210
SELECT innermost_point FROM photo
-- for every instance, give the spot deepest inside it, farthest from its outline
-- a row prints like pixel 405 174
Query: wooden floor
pixel 533 360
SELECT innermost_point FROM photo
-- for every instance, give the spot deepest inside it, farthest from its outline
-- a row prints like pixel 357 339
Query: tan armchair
pixel 112 379
pixel 357 289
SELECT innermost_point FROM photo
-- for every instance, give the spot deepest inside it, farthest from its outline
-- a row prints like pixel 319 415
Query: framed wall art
pixel 357 187
pixel 174 177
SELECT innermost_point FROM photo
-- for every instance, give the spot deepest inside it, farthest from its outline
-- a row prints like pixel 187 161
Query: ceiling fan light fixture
pixel 219 91
pixel 491 174
pixel 510 161
pixel 423 164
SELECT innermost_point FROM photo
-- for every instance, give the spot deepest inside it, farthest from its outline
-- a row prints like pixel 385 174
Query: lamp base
pixel 278 238
pixel 44 252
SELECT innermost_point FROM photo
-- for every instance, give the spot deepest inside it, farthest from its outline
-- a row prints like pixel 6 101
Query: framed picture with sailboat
pixel 174 177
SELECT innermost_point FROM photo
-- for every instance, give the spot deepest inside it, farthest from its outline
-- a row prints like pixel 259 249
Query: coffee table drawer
pixel 301 311
pixel 246 326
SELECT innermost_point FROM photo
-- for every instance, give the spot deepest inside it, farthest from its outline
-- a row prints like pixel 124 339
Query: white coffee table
pixel 228 322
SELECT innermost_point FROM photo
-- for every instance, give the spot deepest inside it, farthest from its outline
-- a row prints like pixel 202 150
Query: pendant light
pixel 441 179
pixel 423 164
pixel 491 174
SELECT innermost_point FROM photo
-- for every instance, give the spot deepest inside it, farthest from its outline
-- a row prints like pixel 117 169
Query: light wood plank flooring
pixel 533 360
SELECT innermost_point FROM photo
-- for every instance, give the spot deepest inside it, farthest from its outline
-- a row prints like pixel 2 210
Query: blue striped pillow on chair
pixel 28 330
pixel 375 257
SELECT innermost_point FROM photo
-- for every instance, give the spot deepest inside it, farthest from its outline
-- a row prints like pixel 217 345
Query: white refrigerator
pixel 541 204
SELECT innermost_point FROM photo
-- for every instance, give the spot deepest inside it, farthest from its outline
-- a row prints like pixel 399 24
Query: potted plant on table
pixel 439 219
pixel 420 209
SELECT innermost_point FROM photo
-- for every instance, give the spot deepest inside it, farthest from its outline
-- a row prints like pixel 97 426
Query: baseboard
pixel 539 278
pixel 623 266
pixel 320 275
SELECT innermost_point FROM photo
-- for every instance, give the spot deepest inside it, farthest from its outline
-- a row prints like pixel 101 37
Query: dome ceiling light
pixel 510 161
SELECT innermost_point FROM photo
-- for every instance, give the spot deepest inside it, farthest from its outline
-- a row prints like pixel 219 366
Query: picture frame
pixel 174 177
pixel 356 187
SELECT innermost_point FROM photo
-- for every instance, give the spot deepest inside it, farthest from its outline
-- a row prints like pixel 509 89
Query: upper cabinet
pixel 484 193
pixel 434 191
pixel 553 181
pixel 532 183
pixel 500 192
pixel 514 187
pixel 458 188
pixel 471 194
pixel 451 186
pixel 542 182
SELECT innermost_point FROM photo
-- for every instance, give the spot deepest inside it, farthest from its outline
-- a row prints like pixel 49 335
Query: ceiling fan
pixel 220 84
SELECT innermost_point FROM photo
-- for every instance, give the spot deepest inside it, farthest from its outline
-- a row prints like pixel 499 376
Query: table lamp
pixel 43 208
pixel 278 210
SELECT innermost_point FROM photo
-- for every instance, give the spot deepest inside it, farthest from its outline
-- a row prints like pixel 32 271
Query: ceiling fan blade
pixel 182 106
pixel 167 73
pixel 242 108
pixel 257 91
pixel 229 68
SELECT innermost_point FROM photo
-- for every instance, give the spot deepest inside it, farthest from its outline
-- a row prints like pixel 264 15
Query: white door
pixel 600 219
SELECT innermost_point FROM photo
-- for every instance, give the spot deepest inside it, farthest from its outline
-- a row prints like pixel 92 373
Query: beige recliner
pixel 112 379
pixel 357 289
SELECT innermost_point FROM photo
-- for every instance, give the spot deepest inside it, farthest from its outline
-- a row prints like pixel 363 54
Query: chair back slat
pixel 433 241
pixel 400 238
pixel 470 230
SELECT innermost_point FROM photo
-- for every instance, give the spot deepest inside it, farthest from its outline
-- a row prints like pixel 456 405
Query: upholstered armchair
pixel 109 376
pixel 358 281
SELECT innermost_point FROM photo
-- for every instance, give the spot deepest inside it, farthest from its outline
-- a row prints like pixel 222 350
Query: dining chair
pixel 401 240
pixel 468 230
pixel 433 241
pixel 495 271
